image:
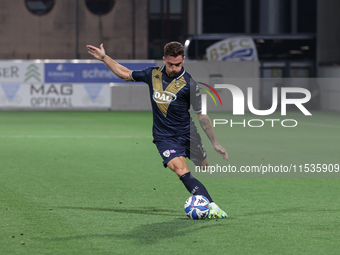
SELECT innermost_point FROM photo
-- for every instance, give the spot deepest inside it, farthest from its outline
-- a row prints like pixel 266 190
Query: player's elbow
pixel 127 76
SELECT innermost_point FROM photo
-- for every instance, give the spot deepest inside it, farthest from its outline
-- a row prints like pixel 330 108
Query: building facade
pixel 61 29
pixel 138 29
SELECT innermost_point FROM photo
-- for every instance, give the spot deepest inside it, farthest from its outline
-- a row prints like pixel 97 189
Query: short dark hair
pixel 173 49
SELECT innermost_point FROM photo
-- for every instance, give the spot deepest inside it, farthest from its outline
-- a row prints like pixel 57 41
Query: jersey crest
pixel 163 98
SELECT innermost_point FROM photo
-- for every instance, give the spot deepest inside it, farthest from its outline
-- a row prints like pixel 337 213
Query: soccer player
pixel 172 91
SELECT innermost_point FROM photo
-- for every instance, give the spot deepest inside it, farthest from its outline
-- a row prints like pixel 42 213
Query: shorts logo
pixel 168 152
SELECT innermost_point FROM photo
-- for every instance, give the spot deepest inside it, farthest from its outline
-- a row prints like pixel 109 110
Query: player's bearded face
pixel 173 65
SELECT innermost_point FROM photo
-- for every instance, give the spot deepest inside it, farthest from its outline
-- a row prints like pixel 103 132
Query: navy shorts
pixel 188 146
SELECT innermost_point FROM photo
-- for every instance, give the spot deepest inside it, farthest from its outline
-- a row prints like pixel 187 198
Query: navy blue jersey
pixel 171 98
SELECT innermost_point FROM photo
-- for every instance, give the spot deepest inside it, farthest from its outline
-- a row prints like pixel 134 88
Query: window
pixel 39 7
pixel 167 22
pixel 259 16
pixel 306 16
pixel 223 16
pixel 100 7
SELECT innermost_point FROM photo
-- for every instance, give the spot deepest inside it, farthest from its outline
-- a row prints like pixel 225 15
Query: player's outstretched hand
pixel 98 53
pixel 221 151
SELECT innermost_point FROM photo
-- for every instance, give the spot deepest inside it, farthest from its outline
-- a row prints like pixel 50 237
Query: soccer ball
pixel 197 207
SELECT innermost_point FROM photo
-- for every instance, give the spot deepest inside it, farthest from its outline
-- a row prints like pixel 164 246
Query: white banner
pixel 233 49
pixel 55 95
pixel 22 71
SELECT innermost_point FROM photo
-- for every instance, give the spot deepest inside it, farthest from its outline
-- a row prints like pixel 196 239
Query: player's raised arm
pixel 119 70
pixel 209 131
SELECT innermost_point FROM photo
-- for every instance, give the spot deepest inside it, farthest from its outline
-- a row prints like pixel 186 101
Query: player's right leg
pixel 174 157
pixel 180 167
pixel 215 210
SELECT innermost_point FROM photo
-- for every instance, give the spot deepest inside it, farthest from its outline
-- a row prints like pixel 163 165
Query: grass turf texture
pixel 93 183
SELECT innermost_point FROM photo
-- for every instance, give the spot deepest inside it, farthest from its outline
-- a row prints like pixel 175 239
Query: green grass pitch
pixel 93 183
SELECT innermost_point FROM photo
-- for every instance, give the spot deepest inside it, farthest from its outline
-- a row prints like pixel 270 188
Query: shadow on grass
pixel 148 234
pixel 276 212
pixel 144 210
pixel 153 232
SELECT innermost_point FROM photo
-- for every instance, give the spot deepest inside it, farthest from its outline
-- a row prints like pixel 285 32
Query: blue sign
pixel 93 90
pixel 10 90
pixel 61 72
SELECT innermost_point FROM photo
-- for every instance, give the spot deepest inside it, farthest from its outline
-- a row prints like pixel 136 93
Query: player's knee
pixel 178 166
pixel 180 170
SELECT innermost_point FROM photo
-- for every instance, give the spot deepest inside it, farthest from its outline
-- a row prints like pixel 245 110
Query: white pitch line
pixel 72 136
